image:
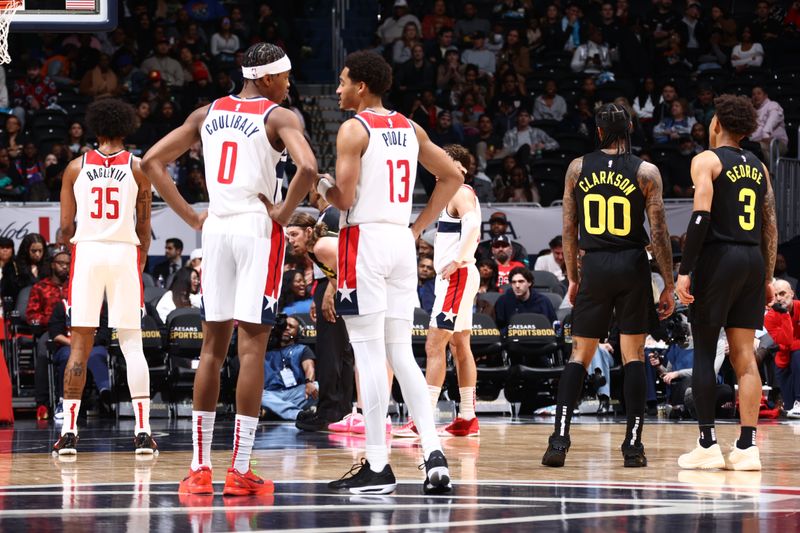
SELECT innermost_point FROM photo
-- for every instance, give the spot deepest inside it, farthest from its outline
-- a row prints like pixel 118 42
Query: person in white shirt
pixel 479 56
pixel 554 261
pixel 747 54
pixel 392 28
pixel 184 292
pixel 592 57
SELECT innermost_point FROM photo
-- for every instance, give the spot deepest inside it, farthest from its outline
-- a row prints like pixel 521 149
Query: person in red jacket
pixel 782 322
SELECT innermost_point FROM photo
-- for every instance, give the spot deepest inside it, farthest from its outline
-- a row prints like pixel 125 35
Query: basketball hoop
pixel 7 10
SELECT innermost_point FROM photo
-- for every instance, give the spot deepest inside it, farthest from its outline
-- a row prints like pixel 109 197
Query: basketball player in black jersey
pixel 731 243
pixel 606 195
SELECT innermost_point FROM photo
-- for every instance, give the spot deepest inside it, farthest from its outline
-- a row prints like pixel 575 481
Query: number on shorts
pixel 404 180
pixel 111 209
pixel 748 199
pixel 224 165
pixel 607 215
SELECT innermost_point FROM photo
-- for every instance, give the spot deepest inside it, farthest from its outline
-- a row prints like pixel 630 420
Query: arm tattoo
pixel 650 182
pixel 570 219
pixel 769 233
pixel 143 209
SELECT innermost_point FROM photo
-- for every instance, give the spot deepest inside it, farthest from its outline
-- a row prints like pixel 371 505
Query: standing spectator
pixel 593 57
pixel 294 298
pixel 224 43
pixel 516 53
pixel 401 49
pixel 289 376
pixel 469 23
pixel 479 56
pixel 747 54
pixel 33 92
pixel 169 68
pixel 184 291
pixel 392 28
pixel 502 255
pixel 770 122
pixel 549 105
pixel 782 322
pixel 27 267
pixel 162 272
pixel 12 137
pixel 498 226
pixel 436 20
pixel 522 298
pixel 426 278
pixel 677 125
pixel 554 261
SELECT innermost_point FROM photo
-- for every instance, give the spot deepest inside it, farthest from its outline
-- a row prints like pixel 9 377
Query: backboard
pixel 65 16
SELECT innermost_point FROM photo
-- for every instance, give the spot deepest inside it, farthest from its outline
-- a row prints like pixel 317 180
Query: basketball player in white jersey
pixel 457 282
pixel 245 142
pixel 377 154
pixel 107 196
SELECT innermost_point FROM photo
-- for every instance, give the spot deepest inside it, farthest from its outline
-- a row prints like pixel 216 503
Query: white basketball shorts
pixel 242 268
pixel 377 271
pixel 452 308
pixel 110 268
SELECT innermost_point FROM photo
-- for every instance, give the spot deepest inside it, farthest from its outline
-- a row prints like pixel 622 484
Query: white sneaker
pixel 58 415
pixel 794 412
pixel 748 459
pixel 702 458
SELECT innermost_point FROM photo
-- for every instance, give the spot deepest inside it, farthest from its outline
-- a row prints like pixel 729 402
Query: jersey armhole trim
pixel 83 160
pixel 269 110
pixel 363 123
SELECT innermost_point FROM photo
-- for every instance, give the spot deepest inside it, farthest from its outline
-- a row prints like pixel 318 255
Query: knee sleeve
pixel 362 328
pixel 130 342
pixel 398 331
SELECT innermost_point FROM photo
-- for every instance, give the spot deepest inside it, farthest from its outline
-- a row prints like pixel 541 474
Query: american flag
pixel 82 5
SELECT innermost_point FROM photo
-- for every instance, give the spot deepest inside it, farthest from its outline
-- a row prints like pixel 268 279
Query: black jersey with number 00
pixel 610 203
pixel 738 196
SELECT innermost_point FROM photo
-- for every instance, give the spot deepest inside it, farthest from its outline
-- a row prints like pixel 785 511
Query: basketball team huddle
pixel 247 139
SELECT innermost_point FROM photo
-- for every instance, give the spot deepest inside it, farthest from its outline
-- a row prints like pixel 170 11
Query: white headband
pixel 276 67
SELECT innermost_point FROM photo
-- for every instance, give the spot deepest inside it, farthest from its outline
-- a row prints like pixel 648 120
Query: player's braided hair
pixel 370 68
pixel 615 121
pixel 304 220
pixel 262 54
pixel 111 118
pixel 736 114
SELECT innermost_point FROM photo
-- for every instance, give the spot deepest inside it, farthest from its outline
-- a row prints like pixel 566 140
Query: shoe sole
pixel 196 491
pixel 374 489
pixel 445 433
pixel 66 451
pixel 246 492
pixel 437 483
pixel 627 464
pixel 145 451
pixel 404 435
pixel 710 465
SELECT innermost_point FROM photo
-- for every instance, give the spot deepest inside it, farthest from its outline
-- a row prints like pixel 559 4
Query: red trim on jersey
pixel 348 253
pixel 393 121
pixel 277 247
pixel 94 157
pixel 455 290
pixel 72 274
pixel 239 105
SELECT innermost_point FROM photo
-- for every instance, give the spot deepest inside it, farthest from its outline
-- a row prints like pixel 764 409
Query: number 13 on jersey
pixel 403 177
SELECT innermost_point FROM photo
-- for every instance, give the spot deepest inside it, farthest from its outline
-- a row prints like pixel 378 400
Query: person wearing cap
pixel 170 69
pixel 392 28
pixel 479 56
pixel 498 226
pixel 195 259
pixel 469 23
pixel 502 254
pixel 693 31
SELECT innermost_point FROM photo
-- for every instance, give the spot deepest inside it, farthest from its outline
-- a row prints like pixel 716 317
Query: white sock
pixel 434 392
pixel 71 410
pixel 141 412
pixel 202 432
pixel 467 406
pixel 244 434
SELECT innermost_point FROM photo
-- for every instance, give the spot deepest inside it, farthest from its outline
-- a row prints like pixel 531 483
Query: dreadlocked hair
pixel 262 54
pixel 615 121
pixel 304 220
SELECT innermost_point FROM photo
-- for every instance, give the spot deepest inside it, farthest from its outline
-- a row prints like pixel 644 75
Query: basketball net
pixel 7 10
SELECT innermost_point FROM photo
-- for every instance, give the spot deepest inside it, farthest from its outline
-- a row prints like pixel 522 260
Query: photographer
pixel 782 322
pixel 289 385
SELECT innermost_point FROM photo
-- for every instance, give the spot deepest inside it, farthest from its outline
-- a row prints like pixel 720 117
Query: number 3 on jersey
pixel 109 197
pixel 404 173
pixel 748 198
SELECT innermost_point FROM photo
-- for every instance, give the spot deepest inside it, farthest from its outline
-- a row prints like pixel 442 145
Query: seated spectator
pixel 479 181
pixel 32 93
pixel 26 269
pixel 498 226
pixel 644 104
pixel 487 270
pixel 554 261
pixel 674 57
pixel 445 133
pixel 581 119
pixel 50 290
pixel 11 188
pixel 678 124
pixel 289 380
pixel 392 28
pixel 693 31
pixel 780 271
pixel 479 56
pixel 726 26
pixel 468 113
pixel 703 104
pixel 436 20
pixel 553 36
pixel 450 73
pixel 747 54
pixel 676 373
pixel 522 298
pixel 501 253
pixel 195 38
pixel 414 76
pixel 525 139
pixel 76 140
pixel 224 43
pixel 401 49
pixel 520 189
pixel 700 137
pixel 163 271
pixel 516 53
pixel 97 364
pixel 486 144
pixel 196 259
pixel 294 299
pixel 424 111
pixel 676 170
pixel 782 322
pixel 436 49
pixel 770 122
pixel 145 136
pixel 593 57
pixel 183 292
pixel 170 70
pixel 600 367
pixel 193 188
pixel 12 137
pixel 549 105
pixel 503 178
pixel 511 90
pixel 100 81
pixel 469 23
pixel 669 94
pixel 426 281
pixel 572 26
pixel 32 175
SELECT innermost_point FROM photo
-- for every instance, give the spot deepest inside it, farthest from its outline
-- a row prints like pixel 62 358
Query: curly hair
pixel 458 153
pixel 262 54
pixel 736 114
pixel 111 118
pixel 370 68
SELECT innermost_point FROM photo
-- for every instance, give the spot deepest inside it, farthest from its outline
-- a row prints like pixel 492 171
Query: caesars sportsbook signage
pixel 533 227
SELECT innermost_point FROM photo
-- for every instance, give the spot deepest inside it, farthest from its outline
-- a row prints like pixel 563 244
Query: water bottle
pixel 557 327
pixel 160 282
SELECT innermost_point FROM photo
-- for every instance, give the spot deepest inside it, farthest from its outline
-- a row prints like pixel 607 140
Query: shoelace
pixel 355 469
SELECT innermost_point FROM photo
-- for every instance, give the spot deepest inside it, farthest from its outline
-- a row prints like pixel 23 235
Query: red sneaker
pixel 42 413
pixel 408 431
pixel 463 428
pixel 249 484
pixel 197 482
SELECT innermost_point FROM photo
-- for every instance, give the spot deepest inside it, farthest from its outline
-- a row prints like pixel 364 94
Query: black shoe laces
pixel 355 469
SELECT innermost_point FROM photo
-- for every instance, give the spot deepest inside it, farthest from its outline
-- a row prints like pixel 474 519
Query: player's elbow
pixel 307 170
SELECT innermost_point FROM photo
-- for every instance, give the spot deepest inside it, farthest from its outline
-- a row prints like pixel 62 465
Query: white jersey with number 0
pixel 240 162
pixel 105 196
pixel 388 171
pixel 446 245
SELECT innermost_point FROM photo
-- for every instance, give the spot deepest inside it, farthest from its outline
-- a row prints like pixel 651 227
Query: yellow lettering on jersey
pixel 607 178
pixel 738 172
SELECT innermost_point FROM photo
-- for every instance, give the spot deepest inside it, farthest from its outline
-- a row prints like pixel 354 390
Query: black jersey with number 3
pixel 738 196
pixel 611 206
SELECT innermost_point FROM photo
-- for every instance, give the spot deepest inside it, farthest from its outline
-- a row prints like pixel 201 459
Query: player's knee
pixel 362 328
pixel 398 331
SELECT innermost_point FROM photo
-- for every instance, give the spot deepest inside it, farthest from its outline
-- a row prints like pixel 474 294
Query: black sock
pixel 708 435
pixel 635 392
pixel 747 437
pixel 569 389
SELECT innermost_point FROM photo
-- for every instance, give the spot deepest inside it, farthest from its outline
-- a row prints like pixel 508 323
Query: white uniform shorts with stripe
pixel 377 271
pixel 242 268
pixel 110 268
pixel 452 308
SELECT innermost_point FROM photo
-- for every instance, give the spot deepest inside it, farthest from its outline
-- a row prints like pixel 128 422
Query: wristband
pixel 309 381
pixel 695 236
pixel 323 186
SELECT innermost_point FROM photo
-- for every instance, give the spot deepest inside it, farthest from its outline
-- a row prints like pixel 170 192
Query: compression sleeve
pixel 470 232
pixel 695 236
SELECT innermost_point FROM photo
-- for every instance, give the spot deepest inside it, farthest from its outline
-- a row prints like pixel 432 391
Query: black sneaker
pixel 634 455
pixel 557 448
pixel 306 414
pixel 437 476
pixel 360 479
pixel 65 445
pixel 145 444
pixel 314 423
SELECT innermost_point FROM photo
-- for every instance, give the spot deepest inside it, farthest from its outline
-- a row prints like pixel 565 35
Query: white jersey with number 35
pixel 388 171
pixel 240 162
pixel 105 197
